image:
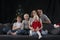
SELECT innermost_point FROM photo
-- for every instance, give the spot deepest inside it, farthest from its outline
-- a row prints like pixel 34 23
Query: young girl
pixel 25 23
pixel 36 26
pixel 17 27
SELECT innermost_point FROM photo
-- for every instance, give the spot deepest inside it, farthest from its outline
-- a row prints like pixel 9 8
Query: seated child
pixel 25 23
pixel 36 26
pixel 17 27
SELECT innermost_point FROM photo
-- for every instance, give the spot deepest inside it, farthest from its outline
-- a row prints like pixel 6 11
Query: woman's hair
pixel 33 12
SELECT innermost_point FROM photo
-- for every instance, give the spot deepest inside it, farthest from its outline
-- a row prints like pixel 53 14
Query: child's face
pixel 35 19
pixel 18 19
pixel 26 17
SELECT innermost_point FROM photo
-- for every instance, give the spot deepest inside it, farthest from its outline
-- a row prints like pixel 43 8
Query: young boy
pixel 25 23
pixel 17 27
pixel 36 26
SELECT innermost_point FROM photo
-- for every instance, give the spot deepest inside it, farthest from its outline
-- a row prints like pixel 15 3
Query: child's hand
pixel 32 29
pixel 37 29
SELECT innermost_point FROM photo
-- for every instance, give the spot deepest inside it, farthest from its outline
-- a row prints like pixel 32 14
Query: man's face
pixel 39 12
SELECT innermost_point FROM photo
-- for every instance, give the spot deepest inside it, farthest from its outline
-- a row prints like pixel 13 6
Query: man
pixel 47 26
pixel 43 17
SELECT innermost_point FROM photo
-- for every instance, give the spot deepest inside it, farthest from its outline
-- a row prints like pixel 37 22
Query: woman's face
pixel 34 13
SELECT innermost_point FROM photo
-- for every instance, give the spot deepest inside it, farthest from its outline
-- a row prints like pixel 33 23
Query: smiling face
pixel 36 18
pixel 26 16
pixel 18 19
pixel 33 13
pixel 40 12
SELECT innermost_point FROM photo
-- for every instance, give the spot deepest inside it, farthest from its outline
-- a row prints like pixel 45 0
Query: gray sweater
pixel 25 24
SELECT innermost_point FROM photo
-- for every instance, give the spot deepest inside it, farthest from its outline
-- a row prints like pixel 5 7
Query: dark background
pixel 8 9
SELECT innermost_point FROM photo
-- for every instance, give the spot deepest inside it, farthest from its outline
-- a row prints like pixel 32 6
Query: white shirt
pixel 17 25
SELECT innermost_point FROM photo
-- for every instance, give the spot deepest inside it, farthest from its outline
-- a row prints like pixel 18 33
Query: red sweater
pixel 36 24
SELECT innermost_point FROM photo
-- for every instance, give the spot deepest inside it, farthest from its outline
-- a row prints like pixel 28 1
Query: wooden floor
pixel 26 37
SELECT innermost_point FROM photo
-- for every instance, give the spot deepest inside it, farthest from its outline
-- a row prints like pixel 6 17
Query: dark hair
pixel 18 16
pixel 41 9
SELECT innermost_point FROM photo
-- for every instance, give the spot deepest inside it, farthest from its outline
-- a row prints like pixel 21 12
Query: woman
pixel 34 13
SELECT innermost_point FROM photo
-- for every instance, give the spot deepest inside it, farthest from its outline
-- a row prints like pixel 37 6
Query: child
pixel 36 26
pixel 25 23
pixel 17 26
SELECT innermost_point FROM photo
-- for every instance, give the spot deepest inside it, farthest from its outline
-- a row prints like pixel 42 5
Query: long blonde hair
pixel 33 13
pixel 36 17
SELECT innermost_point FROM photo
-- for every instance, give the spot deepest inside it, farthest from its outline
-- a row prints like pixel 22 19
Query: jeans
pixel 48 27
pixel 33 33
pixel 44 32
pixel 23 32
pixel 19 32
